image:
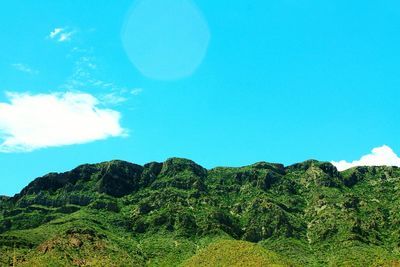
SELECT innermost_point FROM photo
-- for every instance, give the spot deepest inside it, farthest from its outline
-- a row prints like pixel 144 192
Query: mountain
pixel 177 213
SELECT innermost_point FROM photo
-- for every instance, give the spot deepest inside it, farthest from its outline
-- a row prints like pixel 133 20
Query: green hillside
pixel 236 254
pixel 177 213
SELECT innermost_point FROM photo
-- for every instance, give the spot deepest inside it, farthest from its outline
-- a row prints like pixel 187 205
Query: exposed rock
pixel 119 178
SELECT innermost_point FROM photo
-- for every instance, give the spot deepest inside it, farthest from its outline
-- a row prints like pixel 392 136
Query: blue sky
pixel 220 82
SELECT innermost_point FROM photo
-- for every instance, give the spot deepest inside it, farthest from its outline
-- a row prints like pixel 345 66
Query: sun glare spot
pixel 165 40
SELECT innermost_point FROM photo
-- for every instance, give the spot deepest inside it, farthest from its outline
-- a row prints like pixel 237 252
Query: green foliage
pixel 234 253
pixel 178 213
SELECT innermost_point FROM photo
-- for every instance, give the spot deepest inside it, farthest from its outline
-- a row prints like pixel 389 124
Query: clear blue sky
pixel 219 82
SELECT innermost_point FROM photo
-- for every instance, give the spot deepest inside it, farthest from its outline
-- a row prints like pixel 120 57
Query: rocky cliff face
pixel 308 212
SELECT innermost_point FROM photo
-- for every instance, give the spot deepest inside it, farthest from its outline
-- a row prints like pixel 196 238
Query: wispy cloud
pixel 66 36
pixel 112 98
pixel 119 95
pixel 85 78
pixel 136 91
pixel 379 156
pixel 29 122
pixel 55 32
pixel 61 34
pixel 81 75
pixel 24 68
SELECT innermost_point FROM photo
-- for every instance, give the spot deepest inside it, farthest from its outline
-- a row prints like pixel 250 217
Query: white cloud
pixel 61 34
pixel 379 156
pixel 55 32
pixel 30 122
pixel 24 68
pixel 66 36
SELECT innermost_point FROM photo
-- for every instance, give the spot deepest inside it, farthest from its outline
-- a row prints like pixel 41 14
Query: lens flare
pixel 165 39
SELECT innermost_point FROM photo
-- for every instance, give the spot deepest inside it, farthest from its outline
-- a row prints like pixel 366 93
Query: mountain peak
pixel 173 166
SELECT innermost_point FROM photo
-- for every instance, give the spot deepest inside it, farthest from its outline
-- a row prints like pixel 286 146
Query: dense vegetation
pixel 177 213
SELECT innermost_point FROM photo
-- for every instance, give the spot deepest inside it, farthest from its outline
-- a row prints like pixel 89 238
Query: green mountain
pixel 177 213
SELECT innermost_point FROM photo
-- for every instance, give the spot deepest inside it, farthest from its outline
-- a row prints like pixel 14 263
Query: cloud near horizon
pixel 29 122
pixel 379 156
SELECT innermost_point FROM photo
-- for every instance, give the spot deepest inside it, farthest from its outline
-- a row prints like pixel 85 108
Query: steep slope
pixel 117 213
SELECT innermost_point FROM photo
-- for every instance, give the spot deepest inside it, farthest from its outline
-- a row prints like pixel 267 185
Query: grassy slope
pixel 234 253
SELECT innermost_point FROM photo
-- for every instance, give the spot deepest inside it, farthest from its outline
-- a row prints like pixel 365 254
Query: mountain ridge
pixel 304 164
pixel 163 213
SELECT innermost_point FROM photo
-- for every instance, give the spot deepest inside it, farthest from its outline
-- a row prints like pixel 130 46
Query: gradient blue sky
pixel 280 81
